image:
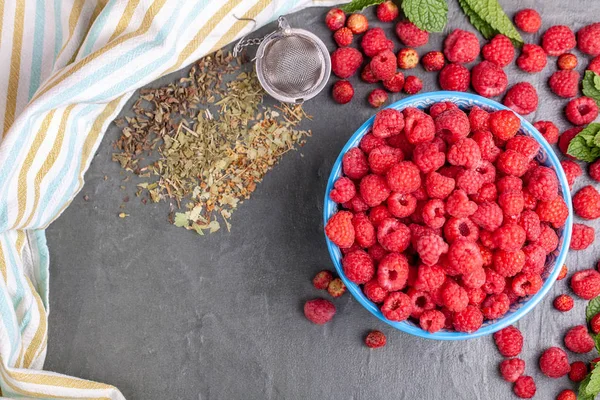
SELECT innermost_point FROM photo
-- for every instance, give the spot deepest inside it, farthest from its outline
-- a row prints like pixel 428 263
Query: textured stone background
pixel 163 313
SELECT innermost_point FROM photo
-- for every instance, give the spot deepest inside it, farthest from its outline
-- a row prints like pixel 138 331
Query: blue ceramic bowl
pixel 554 261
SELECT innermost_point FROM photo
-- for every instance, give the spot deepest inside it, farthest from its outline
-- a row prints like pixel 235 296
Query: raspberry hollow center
pixel 464 230
pixel 393 275
pixel 421 301
pixel 583 109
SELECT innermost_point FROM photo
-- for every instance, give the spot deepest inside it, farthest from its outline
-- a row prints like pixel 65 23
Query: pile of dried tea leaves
pixel 204 142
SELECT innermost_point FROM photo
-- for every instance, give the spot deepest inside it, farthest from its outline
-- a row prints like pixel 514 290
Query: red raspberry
pixel 395 83
pixel 558 39
pixel 583 236
pixel 421 301
pixel 509 263
pixel 460 228
pixel 358 267
pixel 343 190
pixel 432 320
pixel 485 141
pixel 454 296
pixel 410 35
pixel 512 369
pixel 511 202
pixel 586 203
pixel 345 61
pixel 354 164
pixel 495 306
pixel 339 229
pixel 565 139
pixel 486 254
pixel 563 273
pixel 404 177
pixel 510 237
pixel 343 37
pixel 367 75
pixel 578 372
pixel 357 204
pixel 488 79
pixel 488 216
pixel 464 152
pixel 382 158
pixel 464 256
pixel 530 222
pixel 336 288
pixel 535 259
pixel 487 239
pixel 594 170
pixel 474 279
pixel 595 323
pixel 383 65
pixel 374 190
pixel 522 98
pixel 578 340
pixel 374 292
pixel 563 303
pixel 377 252
pixel 377 98
pixel 512 163
pixel 439 186
pixel 387 11
pixel 525 145
pixel 548 239
pixel 532 58
pixel 471 181
pixel 375 340
pixel 548 130
pixel 455 77
pixel 429 278
pixel 572 171
pixel 319 311
pixel 567 394
pixel 322 279
pixel 407 58
pixel 469 320
pixel 418 126
pixel 397 306
pixel 526 283
pixel 564 83
pixel 452 125
pixel 594 65
pixel 393 235
pixel 528 20
pixel 524 387
pixel 364 230
pixel 476 296
pixel 335 19
pixel 509 183
pixel 554 363
pixel 412 85
pixel 430 248
pixel 342 92
pixel 401 142
pixel 369 143
pixel 509 341
pixel 499 51
pixel 428 158
pixel 458 204
pixel 543 184
pixel 479 119
pixel 487 171
pixel 374 41
pixel 433 213
pixel 461 46
pixel 494 282
pixel 567 61
pixel 586 283
pixel 388 122
pixel 401 205
pixel 357 23
pixel 504 124
pixel 588 39
pixel 581 111
pixel 433 61
pixel 451 171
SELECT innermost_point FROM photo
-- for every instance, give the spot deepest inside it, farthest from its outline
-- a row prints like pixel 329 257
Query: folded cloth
pixel 68 67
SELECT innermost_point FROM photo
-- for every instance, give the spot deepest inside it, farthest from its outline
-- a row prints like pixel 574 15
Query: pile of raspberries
pixel 445 217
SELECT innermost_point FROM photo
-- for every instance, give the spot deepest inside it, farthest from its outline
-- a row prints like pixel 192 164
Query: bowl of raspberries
pixel 448 216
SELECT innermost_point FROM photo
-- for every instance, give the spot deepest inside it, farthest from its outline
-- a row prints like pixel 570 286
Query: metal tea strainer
pixel 292 65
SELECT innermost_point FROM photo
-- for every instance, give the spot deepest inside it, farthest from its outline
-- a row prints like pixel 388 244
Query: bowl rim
pixel 503 322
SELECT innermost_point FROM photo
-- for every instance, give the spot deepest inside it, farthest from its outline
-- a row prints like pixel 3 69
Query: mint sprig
pixel 591 86
pixel 488 18
pixel 592 308
pixel 589 388
pixel 359 5
pixel 583 146
pixel 428 15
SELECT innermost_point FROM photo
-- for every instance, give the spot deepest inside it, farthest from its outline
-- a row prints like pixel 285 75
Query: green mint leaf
pixel 593 386
pixel 359 5
pixel 486 30
pixel 490 11
pixel 596 81
pixel 582 392
pixel 181 220
pixel 597 140
pixel 429 15
pixel 592 308
pixel 583 147
pixel 589 86
pixel 597 342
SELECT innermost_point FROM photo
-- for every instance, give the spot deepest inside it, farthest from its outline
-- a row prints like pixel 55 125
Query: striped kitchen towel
pixel 67 69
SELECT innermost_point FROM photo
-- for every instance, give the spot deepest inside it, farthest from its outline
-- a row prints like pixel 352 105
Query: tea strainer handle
pixel 284 28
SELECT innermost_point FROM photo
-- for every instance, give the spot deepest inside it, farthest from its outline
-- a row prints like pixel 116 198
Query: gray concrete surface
pixel 163 313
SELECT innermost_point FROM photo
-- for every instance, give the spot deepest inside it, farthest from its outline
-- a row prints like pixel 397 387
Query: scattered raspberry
pixel 512 163
pixel 543 184
pixel 528 20
pixel 430 248
pixel 335 19
pixel 566 394
pixel 572 171
pixel 345 61
pixel 395 83
pixel 586 203
pixel 508 263
pixel 594 65
pixel 375 339
pixel 336 288
pixel 428 158
pixel 548 239
pixel 374 292
pixel 374 41
pixel 367 75
pixel 565 83
pixel 388 122
pixel 558 39
pixel 583 236
pixel 488 79
pixel 432 320
pixel 548 130
pixel 504 124
pixel 383 65
pixel 357 23
pixel 588 39
pixel 495 306
pixel 594 170
pixel 455 77
pixel 586 283
pixel 454 296
pixel 554 362
pixel 377 98
pixel 567 61
pixel 581 111
pixel 322 279
pixel 393 235
pixel 433 61
pixel 522 98
pixel 387 11
pixel 509 341
pixel 396 306
pixel 499 51
pixel 452 125
pixel 565 139
pixel 461 46
pixel 343 190
pixel 410 35
pixel 563 273
pixel 339 229
pixel 578 340
pixel 434 213
pixel 511 202
pixel 512 369
pixel 595 323
pixel 578 372
pixel 488 216
pixel 404 177
pixel 407 58
pixel 510 237
pixel 532 58
pixel 319 311
pixel 412 85
pixel 343 37
pixel 563 303
pixel 374 190
pixel 458 205
pixel 342 92
pixel 468 320
pixel 526 283
pixel 524 387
